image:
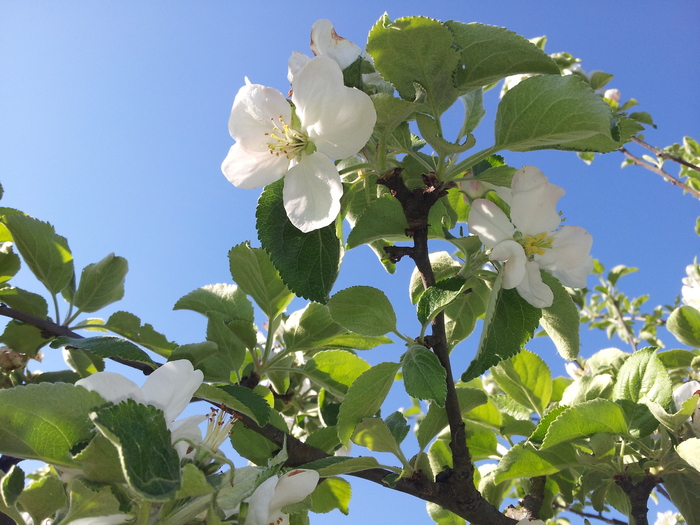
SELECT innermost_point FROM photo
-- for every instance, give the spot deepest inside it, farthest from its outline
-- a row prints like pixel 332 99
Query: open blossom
pixel 268 500
pixel 532 238
pixel 691 286
pixel 169 388
pixel 681 395
pixel 332 122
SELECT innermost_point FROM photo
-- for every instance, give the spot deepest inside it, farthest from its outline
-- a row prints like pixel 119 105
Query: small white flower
pixel 268 500
pixel 691 286
pixel 681 395
pixel 532 238
pixel 169 388
pixel 666 518
pixel 334 122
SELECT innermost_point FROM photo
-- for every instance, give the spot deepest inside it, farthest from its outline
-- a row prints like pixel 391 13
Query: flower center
pixel 286 141
pixel 537 244
pixel 219 427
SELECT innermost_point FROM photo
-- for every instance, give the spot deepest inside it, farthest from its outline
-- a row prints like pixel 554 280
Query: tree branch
pixel 50 330
pixel 659 171
pixel 638 493
pixel 661 153
pixel 599 516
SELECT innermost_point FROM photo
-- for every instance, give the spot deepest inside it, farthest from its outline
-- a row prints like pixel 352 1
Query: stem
pixel 611 521
pixel 618 314
pixel 659 171
pixel 470 161
pixel 55 307
pixel 661 153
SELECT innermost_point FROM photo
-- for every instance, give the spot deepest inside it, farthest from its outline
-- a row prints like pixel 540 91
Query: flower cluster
pixel 691 286
pixel 326 120
pixel 533 238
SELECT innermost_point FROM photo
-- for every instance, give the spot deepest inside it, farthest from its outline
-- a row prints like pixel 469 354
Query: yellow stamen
pixel 536 245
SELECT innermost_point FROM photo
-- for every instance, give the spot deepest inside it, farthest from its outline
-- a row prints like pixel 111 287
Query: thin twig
pixel 659 171
pixel 661 153
pixel 611 521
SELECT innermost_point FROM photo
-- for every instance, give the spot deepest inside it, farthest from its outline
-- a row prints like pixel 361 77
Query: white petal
pixel 570 249
pixel 295 63
pixel 185 428
pixel 112 387
pixel 171 386
pixel 683 393
pixel 256 110
pixel 293 487
pixel 312 192
pixel 576 277
pixel 534 202
pixel 338 120
pixel 113 519
pixel 325 41
pixel 533 290
pixel 259 504
pixel 249 169
pixel 514 255
pixel 489 222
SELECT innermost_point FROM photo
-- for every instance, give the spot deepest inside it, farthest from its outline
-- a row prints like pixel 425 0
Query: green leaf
pixel 525 461
pixel 547 111
pixel 586 388
pixel 510 322
pixel 230 352
pixel 443 266
pixel 643 376
pixel 526 379
pixel 364 310
pixel 561 320
pixel 435 420
pixel 489 53
pixel 324 438
pixel 437 297
pixel 640 420
pixel 24 301
pixel 43 498
pixel 226 299
pixel 473 111
pixel 598 79
pixel 47 254
pixel 417 56
pixel 689 450
pixel 252 445
pixel 354 341
pixel 87 502
pixel 99 461
pixel 331 493
pixel 307 262
pixel 101 284
pixel 23 338
pixel 246 480
pixel 423 375
pixel 462 313
pixel 364 398
pixel 684 323
pixel 194 483
pixel 683 489
pixel 12 485
pixel 335 370
pixel 592 417
pixel 150 463
pixel 9 262
pixel 129 326
pixel 337 465
pixel 46 421
pixel 104 347
pixel 255 274
pixel 674 421
pixel 443 516
pixel 373 433
pixel 310 328
pixel 620 271
pixel 391 112
pixel 238 398
pixel 396 422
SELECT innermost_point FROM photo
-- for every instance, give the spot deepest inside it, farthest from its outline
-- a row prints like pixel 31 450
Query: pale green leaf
pixel 684 323
pixel 364 310
pixel 331 493
pixel 101 284
pixel 592 417
pixel 525 461
pixel 373 433
pixel 226 299
pixel 643 376
pixel 335 370
pixel 423 375
pixel 526 379
pixel 337 465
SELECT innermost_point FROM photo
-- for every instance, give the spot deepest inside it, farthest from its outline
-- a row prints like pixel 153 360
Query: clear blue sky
pixel 113 126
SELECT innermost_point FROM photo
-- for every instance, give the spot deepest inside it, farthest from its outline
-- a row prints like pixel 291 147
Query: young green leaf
pixel 238 398
pixel 104 347
pixel 12 485
pixel 310 328
pixel 331 493
pixel 525 461
pixel 129 326
pixel 9 262
pixel 443 266
pixel 373 433
pixel 43 498
pixel 307 262
pixel 335 370
pixel 437 297
pixel 683 489
pixel 24 301
pixel 462 313
pixel 226 299
pixel 684 323
pixel 592 417
pixel 643 376
pixel 338 465
pixel 526 378
pixel 423 375
pixel 101 284
pixel 364 310
pixel 90 501
pixel 435 420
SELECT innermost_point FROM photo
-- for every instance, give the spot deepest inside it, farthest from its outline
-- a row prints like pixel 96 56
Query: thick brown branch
pixel 50 330
pixel 532 503
pixel 638 493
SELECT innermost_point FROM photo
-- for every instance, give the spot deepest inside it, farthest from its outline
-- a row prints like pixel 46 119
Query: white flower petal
pixel 533 289
pixel 338 120
pixel 256 110
pixel 112 387
pixel 533 207
pixel 514 255
pixel 295 63
pixel 249 169
pixel 312 192
pixel 186 428
pixel 489 222
pixel 325 41
pixel 293 487
pixel 683 393
pixel 259 504
pixel 112 519
pixel 571 246
pixel 576 277
pixel 171 386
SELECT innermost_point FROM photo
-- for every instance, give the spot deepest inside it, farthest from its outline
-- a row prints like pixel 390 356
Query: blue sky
pixel 113 126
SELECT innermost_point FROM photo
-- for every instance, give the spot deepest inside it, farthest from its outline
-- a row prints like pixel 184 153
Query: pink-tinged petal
pixel 293 487
pixel 489 222
pixel 533 289
pixel 575 277
pixel 256 110
pixel 312 192
pixel 571 246
pixel 338 120
pixel 514 255
pixel 295 63
pixel 249 169
pixel 325 41
pixel 112 387
pixel 534 202
pixel 171 386
pixel 186 428
pixel 259 504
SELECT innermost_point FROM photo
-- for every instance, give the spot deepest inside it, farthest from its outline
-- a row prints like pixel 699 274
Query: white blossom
pixel 532 239
pixel 691 286
pixel 666 518
pixel 332 122
pixel 169 388
pixel 268 500
pixel 682 394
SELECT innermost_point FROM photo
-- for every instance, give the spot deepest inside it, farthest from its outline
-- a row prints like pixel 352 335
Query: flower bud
pixel 612 94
